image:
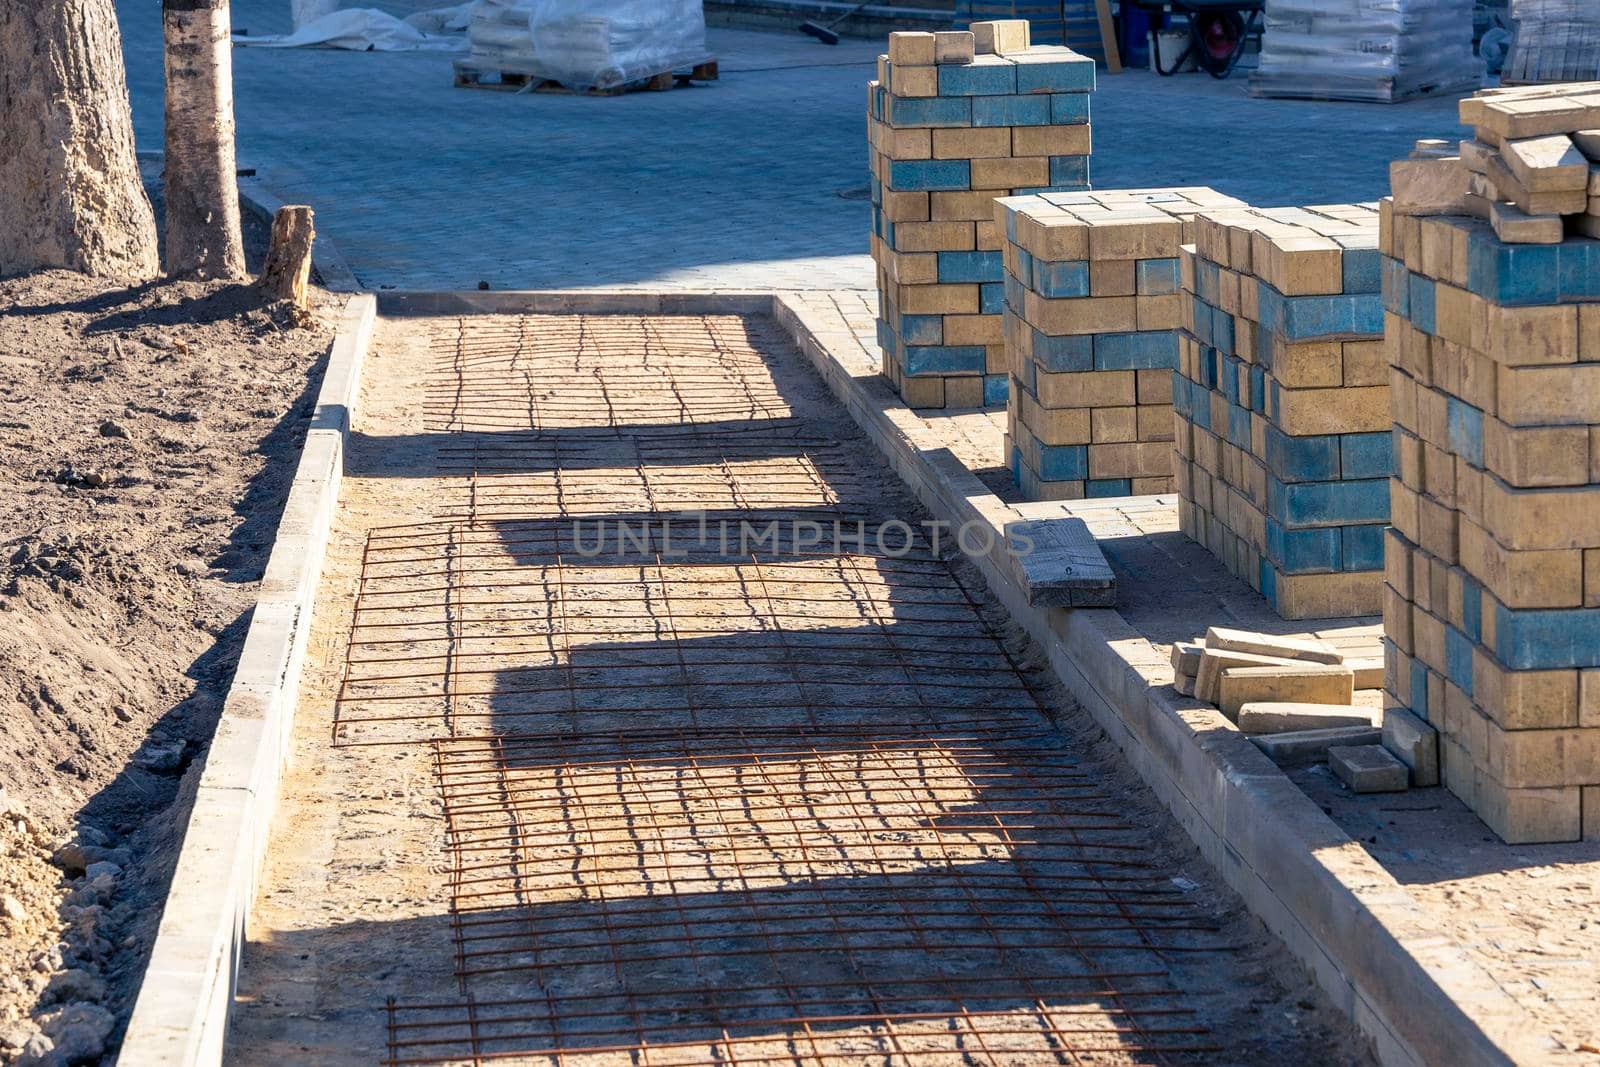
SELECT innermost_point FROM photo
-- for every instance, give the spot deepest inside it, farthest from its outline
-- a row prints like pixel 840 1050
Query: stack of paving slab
pixel 1537 182
pixel 1092 310
pixel 1297 696
pixel 1281 405
pixel 1365 50
pixel 956 119
pixel 1492 607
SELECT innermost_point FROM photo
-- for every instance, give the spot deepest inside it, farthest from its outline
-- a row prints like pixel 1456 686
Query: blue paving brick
pixel 971 267
pixel 1024 267
pixel 931 111
pixel 944 359
pixel 1363 271
pixel 1301 504
pixel 1303 551
pixel 1207 280
pixel 1228 379
pixel 977 79
pixel 1011 226
pixel 1419 689
pixel 1202 407
pixel 1547 640
pixel 996 387
pixel 1016 463
pixel 1069 170
pixel 1396 287
pixel 916 175
pixel 1304 318
pixel 1222 330
pixel 1013 293
pixel 1065 278
pixel 1269 582
pixel 1063 463
pixel 1097 487
pixel 1472 609
pixel 1366 455
pixel 1580 269
pixel 922 329
pixel 886 336
pixel 1055 76
pixel 1180 394
pixel 1069 109
pixel 1030 377
pixel 1515 275
pixel 1465 425
pixel 1071 352
pixel 1146 350
pixel 1208 367
pixel 1008 110
pixel 1458 659
pixel 991 298
pixel 1421 299
pixel 1361 548
pixel 1302 459
pixel 1258 388
pixel 1156 277
pixel 1239 426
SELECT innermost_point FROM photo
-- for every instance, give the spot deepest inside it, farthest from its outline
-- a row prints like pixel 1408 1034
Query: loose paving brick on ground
pixel 795 803
pixel 731 185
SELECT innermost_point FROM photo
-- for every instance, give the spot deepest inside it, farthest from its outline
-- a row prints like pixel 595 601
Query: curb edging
pixel 180 1017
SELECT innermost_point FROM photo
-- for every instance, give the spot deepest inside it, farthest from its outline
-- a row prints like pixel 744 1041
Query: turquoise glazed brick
pixel 918 175
pixel 1102 487
pixel 1547 640
pixel 1069 170
pixel 944 359
pixel 914 112
pixel 1156 277
pixel 977 79
pixel 970 267
pixel 1007 110
pixel 1069 109
pixel 1146 350
pixel 1067 278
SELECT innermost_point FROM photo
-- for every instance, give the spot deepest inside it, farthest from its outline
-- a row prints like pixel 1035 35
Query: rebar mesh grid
pixel 780 801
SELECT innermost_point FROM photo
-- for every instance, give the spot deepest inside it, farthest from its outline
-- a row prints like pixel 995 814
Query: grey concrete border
pixel 1418 995
pixel 180 1018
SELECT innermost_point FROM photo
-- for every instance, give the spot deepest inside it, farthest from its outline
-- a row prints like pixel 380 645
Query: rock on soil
pixel 147 440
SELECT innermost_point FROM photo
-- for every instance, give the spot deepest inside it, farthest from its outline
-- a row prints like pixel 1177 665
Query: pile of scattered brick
pixel 956 119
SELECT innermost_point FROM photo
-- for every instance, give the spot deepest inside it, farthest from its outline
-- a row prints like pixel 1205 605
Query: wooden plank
pixel 1059 564
pixel 1108 36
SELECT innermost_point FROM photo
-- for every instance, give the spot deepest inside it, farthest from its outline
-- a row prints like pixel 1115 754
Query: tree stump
pixel 287 271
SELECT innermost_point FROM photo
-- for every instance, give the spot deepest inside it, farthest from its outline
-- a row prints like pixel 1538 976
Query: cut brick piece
pixel 1547 164
pixel 1308 649
pixel 999 36
pixel 1368 769
pixel 1269 717
pixel 1312 683
pixel 1514 226
pixel 1184 684
pixel 953 46
pixel 911 49
pixel 1414 743
pixel 1186 657
pixel 1303 747
pixel 1213 661
pixel 1368 672
pixel 1429 186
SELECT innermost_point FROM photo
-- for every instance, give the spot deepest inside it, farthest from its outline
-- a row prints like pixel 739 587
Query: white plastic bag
pixel 357 29
pixel 303 13
pixel 590 44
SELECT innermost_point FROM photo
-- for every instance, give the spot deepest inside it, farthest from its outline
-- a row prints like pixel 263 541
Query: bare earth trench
pixel 147 439
pixel 785 804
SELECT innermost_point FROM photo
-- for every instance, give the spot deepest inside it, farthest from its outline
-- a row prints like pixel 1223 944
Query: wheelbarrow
pixel 1218 32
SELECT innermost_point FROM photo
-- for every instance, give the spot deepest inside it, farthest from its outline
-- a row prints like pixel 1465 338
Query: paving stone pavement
pixel 732 185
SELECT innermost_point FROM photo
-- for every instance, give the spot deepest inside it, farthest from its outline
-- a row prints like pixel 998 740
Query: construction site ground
pixel 675 802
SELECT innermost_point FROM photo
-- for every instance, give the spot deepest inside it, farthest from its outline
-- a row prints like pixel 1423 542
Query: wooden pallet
pixel 469 76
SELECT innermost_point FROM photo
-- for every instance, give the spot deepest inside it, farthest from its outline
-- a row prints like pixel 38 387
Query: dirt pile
pixel 147 441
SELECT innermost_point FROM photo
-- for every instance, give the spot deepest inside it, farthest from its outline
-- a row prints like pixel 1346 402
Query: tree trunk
pixel 70 194
pixel 288 268
pixel 203 234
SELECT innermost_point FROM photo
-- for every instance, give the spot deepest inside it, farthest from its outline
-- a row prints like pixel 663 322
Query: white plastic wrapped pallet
pixel 1556 40
pixel 1366 49
pixel 587 44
